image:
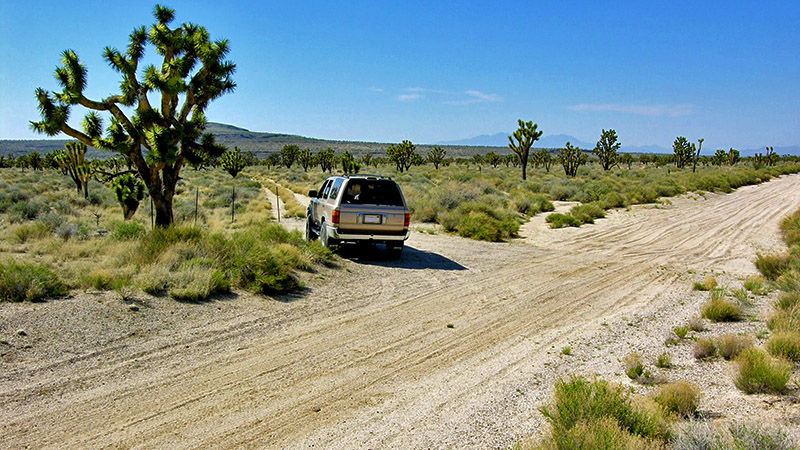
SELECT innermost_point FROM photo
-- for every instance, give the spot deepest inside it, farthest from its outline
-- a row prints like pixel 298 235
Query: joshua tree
pixel 289 154
pixel 233 162
pixel 366 159
pixel 493 159
pixel 571 158
pixel 696 154
pixel 349 164
pixel 71 161
pixel 606 149
pixel 306 159
pixel 158 139
pixel 683 151
pixel 733 156
pixel 402 155
pixel 720 157
pixel 326 159
pixel 129 190
pixel 525 136
pixel 436 156
pixel 627 159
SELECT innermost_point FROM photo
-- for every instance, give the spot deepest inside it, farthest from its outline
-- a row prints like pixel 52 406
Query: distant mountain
pixel 789 150
pixel 501 140
pixel 644 149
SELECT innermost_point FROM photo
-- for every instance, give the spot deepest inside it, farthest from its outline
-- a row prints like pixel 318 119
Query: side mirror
pixel 312 193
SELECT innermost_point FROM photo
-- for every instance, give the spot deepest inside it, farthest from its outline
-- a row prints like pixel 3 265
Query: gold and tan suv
pixel 359 208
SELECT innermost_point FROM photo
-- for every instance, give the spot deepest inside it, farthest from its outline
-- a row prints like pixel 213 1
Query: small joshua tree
pixel 129 191
pixel 349 164
pixel 233 162
pixel 606 149
pixel 436 156
pixel 72 161
pixel 571 158
pixel 525 136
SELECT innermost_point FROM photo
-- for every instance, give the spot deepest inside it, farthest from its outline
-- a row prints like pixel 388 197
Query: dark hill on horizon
pixel 264 143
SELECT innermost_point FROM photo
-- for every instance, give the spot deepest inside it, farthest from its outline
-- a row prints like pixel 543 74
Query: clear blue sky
pixel 725 71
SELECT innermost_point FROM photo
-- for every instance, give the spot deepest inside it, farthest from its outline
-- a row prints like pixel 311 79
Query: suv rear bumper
pixel 336 233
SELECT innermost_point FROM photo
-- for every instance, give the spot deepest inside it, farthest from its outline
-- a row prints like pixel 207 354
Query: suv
pixel 359 208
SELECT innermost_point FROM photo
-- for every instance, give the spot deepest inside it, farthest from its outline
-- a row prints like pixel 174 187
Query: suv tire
pixel 329 243
pixel 310 234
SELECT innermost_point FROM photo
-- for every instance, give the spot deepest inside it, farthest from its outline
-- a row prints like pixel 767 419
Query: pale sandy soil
pixel 456 345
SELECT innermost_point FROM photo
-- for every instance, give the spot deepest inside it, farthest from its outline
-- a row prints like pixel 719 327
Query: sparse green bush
pixel 681 331
pixel 31 282
pixel 788 300
pixel 126 231
pixel 664 361
pixel 755 284
pixel 773 266
pixel 729 346
pixel 785 344
pixel 738 436
pixel 586 213
pixel 558 220
pixel 633 364
pixel 785 320
pixel 720 309
pixel 759 372
pixel 708 284
pixel 705 348
pixel 681 398
pixel 481 226
pixel 584 412
pixel 31 231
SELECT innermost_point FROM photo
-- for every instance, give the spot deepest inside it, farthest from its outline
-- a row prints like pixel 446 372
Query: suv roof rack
pixel 365 175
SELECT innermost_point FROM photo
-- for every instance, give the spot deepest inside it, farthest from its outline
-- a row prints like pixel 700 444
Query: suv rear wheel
pixel 328 242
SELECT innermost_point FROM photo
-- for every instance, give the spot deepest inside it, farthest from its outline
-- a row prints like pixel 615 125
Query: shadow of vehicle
pixel 411 258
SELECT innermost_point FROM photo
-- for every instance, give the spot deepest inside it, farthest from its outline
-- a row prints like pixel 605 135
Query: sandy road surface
pixel 449 347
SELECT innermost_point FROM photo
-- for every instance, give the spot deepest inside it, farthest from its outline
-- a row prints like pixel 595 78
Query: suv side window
pixel 326 188
pixel 336 187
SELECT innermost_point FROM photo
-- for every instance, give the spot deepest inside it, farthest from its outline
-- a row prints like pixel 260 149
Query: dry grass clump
pixel 785 344
pixel 696 323
pixel 681 398
pixel 708 284
pixel 729 346
pixel 598 414
pixel 720 309
pixel 705 348
pixel 703 435
pixel 664 361
pixel 633 365
pixel 756 284
pixel 759 372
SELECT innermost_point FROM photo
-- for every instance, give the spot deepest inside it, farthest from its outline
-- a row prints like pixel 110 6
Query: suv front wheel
pixel 310 234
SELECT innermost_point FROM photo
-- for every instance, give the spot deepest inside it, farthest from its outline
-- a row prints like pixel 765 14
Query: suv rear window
pixel 372 192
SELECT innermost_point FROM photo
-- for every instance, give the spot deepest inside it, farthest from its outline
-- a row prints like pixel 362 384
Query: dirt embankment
pixel 456 345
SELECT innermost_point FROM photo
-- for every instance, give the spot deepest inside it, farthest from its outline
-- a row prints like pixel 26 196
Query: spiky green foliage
pixel 525 136
pixel 571 158
pixel 606 149
pixel 683 150
pixel 326 159
pixel 233 161
pixel 349 164
pixel 31 282
pixel 289 154
pixel 129 190
pixel 72 161
pixel 402 155
pixel 436 156
pixel 159 140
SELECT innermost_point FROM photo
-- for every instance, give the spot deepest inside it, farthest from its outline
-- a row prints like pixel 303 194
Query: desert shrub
pixel 613 200
pixel 69 231
pixel 602 433
pixel 742 295
pixel 785 320
pixel 530 204
pixel 152 279
pixel 26 210
pixel 789 281
pixel 696 323
pixel 681 398
pixel 704 348
pixel 30 231
pixel 582 403
pixel 729 346
pixel 560 191
pixel 586 213
pixel 480 226
pixel 126 231
pixel 790 229
pixel 197 282
pixel 642 195
pixel 160 239
pixel 558 220
pixel 785 344
pixel 708 284
pixel 633 365
pixel 664 361
pixel 772 266
pixel 681 331
pixel 720 309
pixel 755 284
pixel 31 282
pixel 759 372
pixel 52 219
pixel 788 300
pixel 739 436
pixel 754 436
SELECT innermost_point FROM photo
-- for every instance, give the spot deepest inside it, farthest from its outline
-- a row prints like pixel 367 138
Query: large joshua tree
pixel 525 136
pixel 159 139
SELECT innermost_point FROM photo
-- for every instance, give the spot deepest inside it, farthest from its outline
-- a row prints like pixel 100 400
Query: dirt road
pixel 453 346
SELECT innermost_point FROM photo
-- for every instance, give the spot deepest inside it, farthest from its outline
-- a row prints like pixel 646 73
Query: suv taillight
pixel 406 219
pixel 335 216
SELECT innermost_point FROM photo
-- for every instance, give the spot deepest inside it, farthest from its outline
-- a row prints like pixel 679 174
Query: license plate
pixel 372 218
